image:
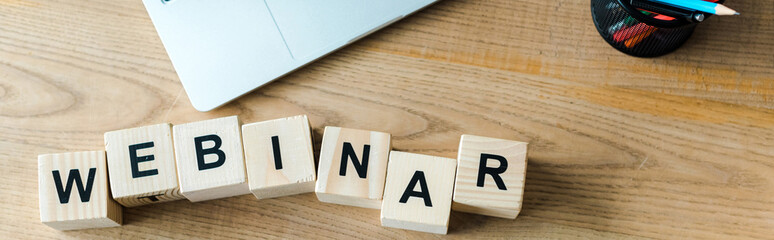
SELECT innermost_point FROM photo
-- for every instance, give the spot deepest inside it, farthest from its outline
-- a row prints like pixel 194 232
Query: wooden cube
pixel 490 176
pixel 279 157
pixel 74 193
pixel 210 160
pixel 418 192
pixel 352 167
pixel 141 163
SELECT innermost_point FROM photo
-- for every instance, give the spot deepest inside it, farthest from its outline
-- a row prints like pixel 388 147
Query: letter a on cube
pixel 490 176
pixel 279 157
pixel 352 167
pixel 210 161
pixel 74 193
pixel 141 163
pixel 418 192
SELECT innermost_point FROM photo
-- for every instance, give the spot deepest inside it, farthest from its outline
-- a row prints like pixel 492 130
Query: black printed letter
pixel 360 166
pixel 135 160
pixel 74 176
pixel 214 150
pixel 419 176
pixel 495 172
pixel 276 148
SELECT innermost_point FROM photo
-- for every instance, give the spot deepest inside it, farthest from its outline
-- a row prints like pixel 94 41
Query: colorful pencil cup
pixel 643 28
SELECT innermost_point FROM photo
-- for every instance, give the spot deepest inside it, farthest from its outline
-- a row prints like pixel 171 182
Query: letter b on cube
pixel 210 160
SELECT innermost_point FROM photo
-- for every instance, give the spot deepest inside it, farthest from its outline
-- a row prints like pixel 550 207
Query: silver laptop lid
pixel 223 49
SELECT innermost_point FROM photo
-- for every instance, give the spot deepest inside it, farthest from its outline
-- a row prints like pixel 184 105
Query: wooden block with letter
pixel 279 157
pixel 210 161
pixel 490 176
pixel 74 192
pixel 418 192
pixel 141 163
pixel 352 167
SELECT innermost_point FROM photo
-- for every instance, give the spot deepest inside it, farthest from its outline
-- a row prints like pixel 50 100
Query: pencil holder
pixel 642 28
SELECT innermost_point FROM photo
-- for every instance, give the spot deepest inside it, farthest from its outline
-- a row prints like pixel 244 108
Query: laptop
pixel 224 49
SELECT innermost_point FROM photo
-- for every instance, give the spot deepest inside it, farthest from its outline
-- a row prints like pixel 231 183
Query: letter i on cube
pixel 279 157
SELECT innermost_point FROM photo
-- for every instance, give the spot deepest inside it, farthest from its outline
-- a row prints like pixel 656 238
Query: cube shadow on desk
pixel 141 163
pixel 352 167
pixel 279 157
pixel 210 161
pixel 74 192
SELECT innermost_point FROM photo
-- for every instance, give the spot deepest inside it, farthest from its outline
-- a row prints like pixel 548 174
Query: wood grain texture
pixel 431 179
pixel 89 203
pixel 295 173
pixel 501 196
pixel 352 178
pixel 210 160
pixel 679 146
pixel 156 180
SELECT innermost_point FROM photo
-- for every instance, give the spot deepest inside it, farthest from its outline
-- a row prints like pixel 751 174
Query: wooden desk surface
pixel 620 147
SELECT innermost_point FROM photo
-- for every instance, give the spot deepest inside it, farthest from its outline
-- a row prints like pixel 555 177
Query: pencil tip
pixel 723 10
